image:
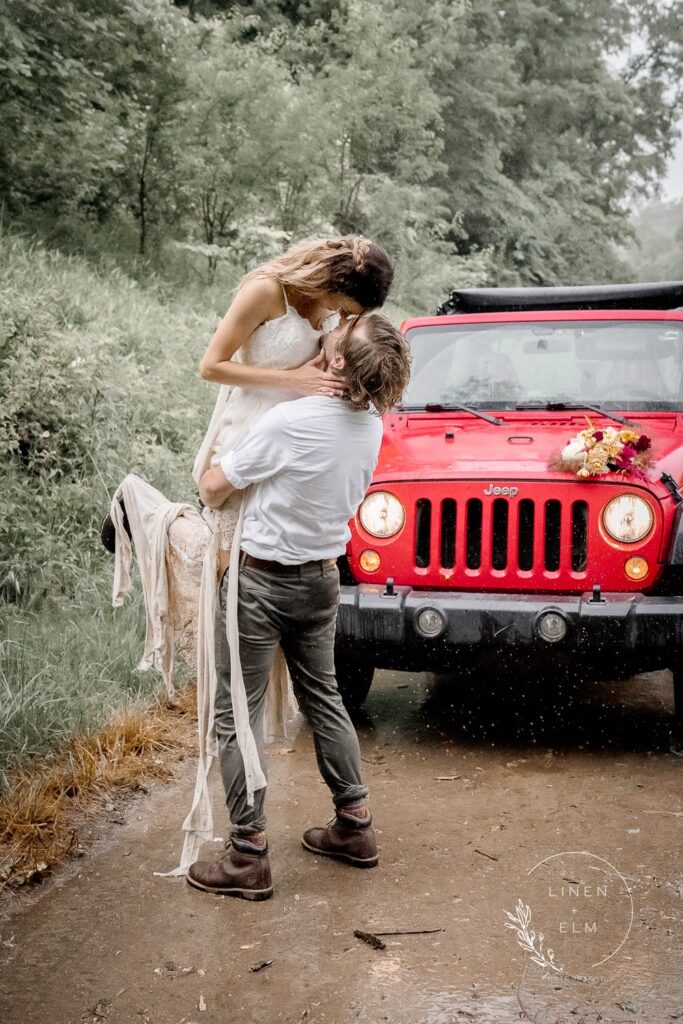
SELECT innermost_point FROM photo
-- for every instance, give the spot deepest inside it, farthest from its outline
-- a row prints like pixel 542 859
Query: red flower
pixel 625 457
pixel 598 435
pixel 643 443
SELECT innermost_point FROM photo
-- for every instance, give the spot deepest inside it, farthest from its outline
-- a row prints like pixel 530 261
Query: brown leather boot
pixel 347 837
pixel 244 872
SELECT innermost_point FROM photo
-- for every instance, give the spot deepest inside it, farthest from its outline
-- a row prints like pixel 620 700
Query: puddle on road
pixel 453 1007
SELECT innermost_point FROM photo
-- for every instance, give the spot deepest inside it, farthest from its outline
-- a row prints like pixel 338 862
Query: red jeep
pixel 467 543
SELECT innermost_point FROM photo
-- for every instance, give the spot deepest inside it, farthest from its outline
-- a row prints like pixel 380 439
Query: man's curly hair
pixel 376 363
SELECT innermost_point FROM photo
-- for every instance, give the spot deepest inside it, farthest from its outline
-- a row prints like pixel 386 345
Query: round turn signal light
pixel 636 568
pixel 370 561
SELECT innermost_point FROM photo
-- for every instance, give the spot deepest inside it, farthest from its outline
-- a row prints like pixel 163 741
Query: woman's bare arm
pixel 215 488
pixel 256 302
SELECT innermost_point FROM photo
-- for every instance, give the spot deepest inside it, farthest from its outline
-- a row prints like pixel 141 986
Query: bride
pixel 265 350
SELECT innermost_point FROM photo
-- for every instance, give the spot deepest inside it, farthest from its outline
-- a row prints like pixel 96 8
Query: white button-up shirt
pixel 311 461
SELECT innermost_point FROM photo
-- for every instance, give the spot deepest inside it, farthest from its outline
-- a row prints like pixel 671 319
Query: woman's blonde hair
pixel 350 264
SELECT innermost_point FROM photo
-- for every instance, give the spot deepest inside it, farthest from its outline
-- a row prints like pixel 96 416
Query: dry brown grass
pixel 51 807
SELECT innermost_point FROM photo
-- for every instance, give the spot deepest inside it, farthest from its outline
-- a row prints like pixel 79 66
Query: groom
pixel 310 462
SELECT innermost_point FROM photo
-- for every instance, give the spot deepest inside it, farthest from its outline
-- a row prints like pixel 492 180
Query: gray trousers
pixel 298 611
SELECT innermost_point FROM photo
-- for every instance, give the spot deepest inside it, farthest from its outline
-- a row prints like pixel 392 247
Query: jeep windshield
pixel 576 364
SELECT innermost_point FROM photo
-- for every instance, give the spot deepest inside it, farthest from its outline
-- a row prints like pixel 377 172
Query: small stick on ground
pixel 409 931
pixel 371 939
pixel 483 853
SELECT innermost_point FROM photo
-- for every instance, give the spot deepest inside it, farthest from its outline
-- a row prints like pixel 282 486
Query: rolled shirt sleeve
pixel 264 452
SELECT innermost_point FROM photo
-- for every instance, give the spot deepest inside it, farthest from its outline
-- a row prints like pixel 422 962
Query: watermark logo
pixel 574 915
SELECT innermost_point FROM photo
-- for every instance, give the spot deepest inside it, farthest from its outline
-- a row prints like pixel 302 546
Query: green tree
pixel 377 90
pixel 552 129
pixel 55 104
pixel 151 81
pixel 656 253
pixel 251 139
pixel 87 96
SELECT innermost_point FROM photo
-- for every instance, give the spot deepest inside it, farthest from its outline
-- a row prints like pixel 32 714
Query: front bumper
pixel 643 631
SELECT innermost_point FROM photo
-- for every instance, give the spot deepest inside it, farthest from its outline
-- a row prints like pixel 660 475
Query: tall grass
pixel 65 669
pixel 98 378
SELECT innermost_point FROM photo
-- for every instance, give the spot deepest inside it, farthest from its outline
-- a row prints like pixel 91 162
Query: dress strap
pixel 287 306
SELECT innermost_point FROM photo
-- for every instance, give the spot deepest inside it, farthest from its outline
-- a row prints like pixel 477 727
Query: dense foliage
pixel 498 141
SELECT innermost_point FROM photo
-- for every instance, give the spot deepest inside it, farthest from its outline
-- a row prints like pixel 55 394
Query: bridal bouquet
pixel 594 452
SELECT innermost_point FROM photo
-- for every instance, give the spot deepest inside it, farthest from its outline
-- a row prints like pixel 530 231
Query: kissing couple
pixel 307 367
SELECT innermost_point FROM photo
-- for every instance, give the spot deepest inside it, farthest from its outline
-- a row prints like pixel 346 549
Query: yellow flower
pixel 625 436
pixel 583 472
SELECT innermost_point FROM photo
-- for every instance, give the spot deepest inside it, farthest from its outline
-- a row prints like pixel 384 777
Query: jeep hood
pixel 445 446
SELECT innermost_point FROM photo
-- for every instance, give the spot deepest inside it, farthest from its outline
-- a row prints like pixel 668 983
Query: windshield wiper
pixel 453 407
pixel 562 406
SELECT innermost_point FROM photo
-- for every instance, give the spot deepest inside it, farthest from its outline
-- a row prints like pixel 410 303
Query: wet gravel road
pixel 563 809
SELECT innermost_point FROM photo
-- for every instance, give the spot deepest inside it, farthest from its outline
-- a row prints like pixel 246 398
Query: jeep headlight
pixel 628 518
pixel 381 514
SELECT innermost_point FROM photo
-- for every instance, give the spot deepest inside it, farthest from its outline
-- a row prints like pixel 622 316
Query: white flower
pixel 574 448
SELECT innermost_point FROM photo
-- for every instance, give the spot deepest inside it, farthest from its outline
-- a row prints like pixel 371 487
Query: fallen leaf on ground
pixel 260 965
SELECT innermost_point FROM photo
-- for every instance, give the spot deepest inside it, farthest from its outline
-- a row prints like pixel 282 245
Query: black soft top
pixel 659 295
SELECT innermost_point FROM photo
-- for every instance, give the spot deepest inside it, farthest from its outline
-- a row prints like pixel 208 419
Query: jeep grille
pixel 504 535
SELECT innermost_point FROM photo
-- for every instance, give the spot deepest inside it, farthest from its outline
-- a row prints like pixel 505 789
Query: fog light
pixel 430 622
pixel 370 561
pixel 551 627
pixel 636 568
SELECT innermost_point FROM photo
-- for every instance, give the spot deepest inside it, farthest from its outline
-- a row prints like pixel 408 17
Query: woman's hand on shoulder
pixel 312 379
pixel 258 300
